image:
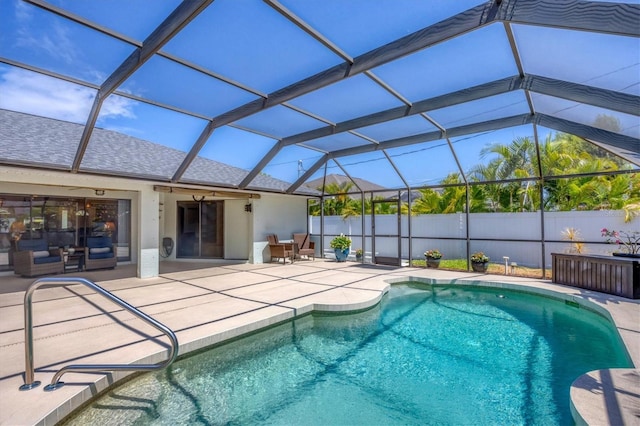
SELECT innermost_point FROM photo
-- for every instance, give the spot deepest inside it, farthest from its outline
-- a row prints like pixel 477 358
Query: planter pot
pixel 359 257
pixel 632 255
pixel 433 263
pixel 479 266
pixel 341 255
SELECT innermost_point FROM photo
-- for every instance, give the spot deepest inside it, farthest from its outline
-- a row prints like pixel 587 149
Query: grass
pixel 494 268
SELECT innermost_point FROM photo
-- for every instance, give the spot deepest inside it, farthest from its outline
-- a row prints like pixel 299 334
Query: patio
pixel 210 304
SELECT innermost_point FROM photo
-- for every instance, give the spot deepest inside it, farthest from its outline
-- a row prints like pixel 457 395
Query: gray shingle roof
pixel 363 184
pixel 30 139
pixel 25 138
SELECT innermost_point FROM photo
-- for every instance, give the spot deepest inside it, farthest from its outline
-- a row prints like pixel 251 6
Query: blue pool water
pixel 425 355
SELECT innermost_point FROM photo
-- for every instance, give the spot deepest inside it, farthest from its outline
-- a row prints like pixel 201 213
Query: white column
pixel 148 231
pixel 257 247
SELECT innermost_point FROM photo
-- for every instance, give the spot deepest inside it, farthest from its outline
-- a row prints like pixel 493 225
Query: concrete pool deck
pixel 73 325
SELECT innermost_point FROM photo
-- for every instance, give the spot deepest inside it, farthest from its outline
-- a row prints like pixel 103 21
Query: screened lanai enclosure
pixel 509 127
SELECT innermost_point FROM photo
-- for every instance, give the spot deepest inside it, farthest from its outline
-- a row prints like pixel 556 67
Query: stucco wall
pixel 276 214
pixel 237 225
pixel 237 230
pixel 245 232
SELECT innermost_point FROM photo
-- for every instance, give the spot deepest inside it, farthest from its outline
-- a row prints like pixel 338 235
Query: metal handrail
pixel 30 383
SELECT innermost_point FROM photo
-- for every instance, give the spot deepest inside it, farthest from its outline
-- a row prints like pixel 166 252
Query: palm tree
pixel 335 205
pixel 516 160
pixel 452 198
pixel 567 154
pixel 560 155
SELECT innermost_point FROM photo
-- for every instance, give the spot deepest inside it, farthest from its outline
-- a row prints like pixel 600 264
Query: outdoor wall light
pixel 100 192
pixel 248 207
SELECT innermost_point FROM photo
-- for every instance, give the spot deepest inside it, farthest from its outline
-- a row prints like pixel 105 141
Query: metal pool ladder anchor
pixel 30 383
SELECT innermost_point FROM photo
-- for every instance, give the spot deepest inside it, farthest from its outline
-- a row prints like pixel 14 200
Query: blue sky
pixel 251 44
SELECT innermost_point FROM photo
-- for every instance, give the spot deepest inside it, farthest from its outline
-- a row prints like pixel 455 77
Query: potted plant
pixel 479 262
pixel 341 245
pixel 628 241
pixel 359 254
pixel 433 258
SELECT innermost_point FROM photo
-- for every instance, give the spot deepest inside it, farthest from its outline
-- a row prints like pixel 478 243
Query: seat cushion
pixel 96 242
pixel 100 255
pixel 33 245
pixel 42 253
pixel 48 259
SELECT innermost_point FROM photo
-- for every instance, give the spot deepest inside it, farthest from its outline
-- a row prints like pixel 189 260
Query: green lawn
pixel 494 268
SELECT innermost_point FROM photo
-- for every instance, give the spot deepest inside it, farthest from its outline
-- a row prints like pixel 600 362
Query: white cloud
pixel 117 106
pixel 56 42
pixel 37 94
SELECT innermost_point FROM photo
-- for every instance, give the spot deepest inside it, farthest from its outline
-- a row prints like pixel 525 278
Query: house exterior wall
pixel 282 215
pixel 237 225
pixel 147 232
pixel 237 230
pixel 64 184
pixel 153 213
pixel 245 232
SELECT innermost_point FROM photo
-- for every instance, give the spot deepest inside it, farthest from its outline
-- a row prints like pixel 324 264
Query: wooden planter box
pixel 606 274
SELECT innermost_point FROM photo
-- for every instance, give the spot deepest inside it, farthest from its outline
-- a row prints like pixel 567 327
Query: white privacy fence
pixel 516 235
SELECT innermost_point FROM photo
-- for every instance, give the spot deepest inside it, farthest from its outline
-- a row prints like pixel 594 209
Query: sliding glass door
pixel 200 229
pixel 62 222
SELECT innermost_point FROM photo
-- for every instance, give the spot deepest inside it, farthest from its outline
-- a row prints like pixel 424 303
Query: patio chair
pixel 33 257
pixel 280 250
pixel 100 253
pixel 305 247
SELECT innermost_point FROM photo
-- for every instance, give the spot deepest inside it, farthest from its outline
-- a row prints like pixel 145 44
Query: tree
pixel 570 155
pixel 336 204
pixel 510 182
pixel 450 199
pixel 516 160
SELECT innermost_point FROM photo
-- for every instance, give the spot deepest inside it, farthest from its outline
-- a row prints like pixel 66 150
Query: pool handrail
pixel 30 383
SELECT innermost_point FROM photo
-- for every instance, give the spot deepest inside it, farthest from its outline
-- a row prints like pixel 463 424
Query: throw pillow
pixel 97 250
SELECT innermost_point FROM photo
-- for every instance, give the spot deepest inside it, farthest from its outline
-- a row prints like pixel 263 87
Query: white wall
pixel 282 215
pixel 237 225
pixel 154 214
pixel 147 235
pixel 237 230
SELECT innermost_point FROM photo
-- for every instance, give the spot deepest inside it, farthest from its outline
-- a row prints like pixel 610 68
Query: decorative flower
pixel 341 242
pixel 479 257
pixel 359 252
pixel 627 240
pixel 433 254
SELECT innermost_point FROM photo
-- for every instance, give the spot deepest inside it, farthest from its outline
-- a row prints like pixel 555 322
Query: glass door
pixel 200 229
pixel 62 222
pixel 211 230
pixel 386 227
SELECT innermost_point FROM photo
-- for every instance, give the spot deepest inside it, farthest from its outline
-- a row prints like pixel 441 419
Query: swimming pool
pixel 424 355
